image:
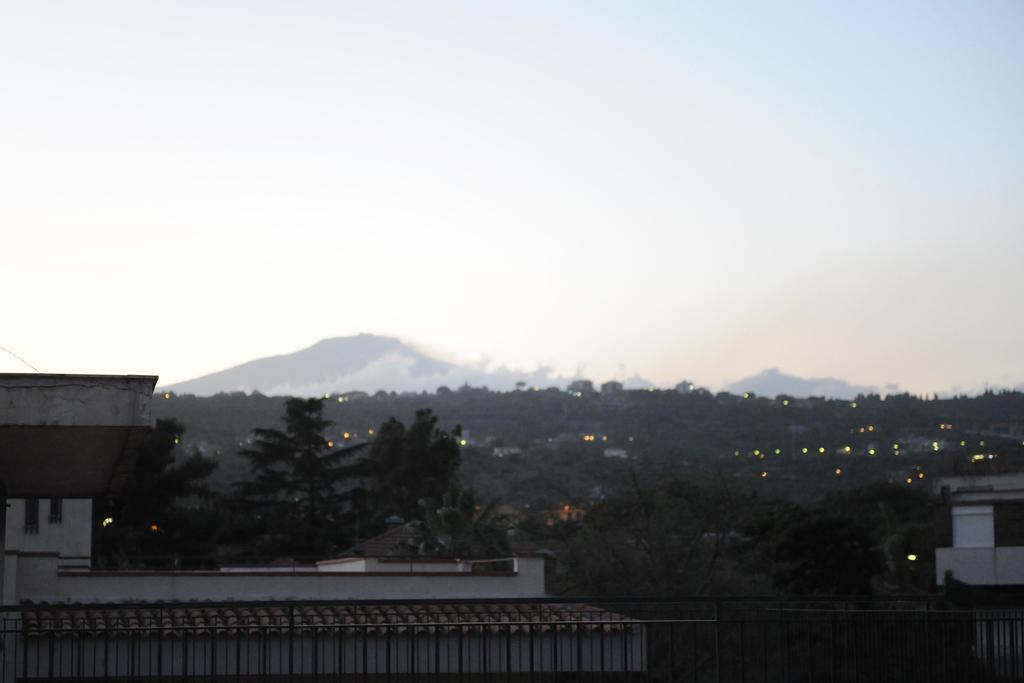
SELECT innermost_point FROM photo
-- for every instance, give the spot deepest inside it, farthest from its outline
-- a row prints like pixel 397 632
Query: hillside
pixel 740 438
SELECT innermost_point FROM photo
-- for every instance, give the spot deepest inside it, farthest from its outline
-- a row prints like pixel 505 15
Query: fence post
pixel 718 627
pixel 291 642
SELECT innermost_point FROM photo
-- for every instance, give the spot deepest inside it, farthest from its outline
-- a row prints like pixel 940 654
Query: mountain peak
pixel 363 362
pixel 772 382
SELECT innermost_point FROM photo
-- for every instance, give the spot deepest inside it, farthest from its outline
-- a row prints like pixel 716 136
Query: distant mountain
pixel 772 382
pixel 365 362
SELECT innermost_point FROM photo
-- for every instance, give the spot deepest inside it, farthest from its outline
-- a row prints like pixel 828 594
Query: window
pixel 31 515
pixel 972 526
pixel 56 510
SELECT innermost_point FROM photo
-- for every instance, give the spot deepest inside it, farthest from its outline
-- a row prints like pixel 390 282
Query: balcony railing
pixel 517 640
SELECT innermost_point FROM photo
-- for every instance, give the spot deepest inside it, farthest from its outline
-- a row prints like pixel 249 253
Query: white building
pixel 48 559
pixel 52 565
pixel 979 526
pixel 50 525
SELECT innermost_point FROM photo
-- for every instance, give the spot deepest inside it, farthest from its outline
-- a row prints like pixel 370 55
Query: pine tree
pixel 299 495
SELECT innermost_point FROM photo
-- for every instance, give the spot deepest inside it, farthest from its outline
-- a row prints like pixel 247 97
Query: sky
pixel 679 190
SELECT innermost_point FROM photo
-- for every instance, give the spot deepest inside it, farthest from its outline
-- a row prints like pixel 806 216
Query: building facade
pixel 979 527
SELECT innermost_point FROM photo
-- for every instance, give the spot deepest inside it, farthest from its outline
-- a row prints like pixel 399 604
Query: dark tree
pixel 412 463
pixel 164 510
pixel 297 500
pixel 662 537
pixel 815 551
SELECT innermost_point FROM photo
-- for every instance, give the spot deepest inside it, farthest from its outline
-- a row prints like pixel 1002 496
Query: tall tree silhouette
pixel 412 463
pixel 148 522
pixel 298 497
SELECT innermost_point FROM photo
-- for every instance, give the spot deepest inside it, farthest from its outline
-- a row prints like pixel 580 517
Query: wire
pixel 19 358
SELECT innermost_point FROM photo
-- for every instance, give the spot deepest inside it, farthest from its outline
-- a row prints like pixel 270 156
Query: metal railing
pixel 762 640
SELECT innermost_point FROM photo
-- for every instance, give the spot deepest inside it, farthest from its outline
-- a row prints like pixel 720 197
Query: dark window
pixel 56 510
pixel 1009 523
pixel 31 515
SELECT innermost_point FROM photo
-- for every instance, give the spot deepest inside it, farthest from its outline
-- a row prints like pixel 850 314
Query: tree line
pixel 660 531
pixel 305 499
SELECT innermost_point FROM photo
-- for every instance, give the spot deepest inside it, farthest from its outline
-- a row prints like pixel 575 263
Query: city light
pixel 154 527
pixel 107 521
pixel 764 474
pixel 346 435
pixel 909 480
pixel 463 442
pixel 853 404
pixel 330 444
pixel 370 431
pixel 871 451
pixel 912 557
pixel 839 470
pixel 804 449
pixel 167 395
pixel 821 450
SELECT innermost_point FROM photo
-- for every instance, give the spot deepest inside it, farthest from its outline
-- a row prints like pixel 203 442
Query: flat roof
pixel 71 435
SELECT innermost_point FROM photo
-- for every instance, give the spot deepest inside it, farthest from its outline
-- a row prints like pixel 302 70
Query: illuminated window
pixel 972 526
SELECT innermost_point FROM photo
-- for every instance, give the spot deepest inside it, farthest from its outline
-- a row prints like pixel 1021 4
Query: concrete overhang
pixel 71 435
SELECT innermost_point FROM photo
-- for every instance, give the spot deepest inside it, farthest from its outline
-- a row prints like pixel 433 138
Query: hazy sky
pixel 695 190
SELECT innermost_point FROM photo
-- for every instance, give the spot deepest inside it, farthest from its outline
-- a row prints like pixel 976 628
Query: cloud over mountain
pixel 365 362
pixel 772 382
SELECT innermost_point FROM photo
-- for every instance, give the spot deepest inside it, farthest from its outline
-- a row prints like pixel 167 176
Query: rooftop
pixel 71 435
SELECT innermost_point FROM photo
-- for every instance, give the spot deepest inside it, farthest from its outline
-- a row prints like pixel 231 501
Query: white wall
pixel 71 538
pixel 1001 566
pixel 38 582
pixel 393 565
